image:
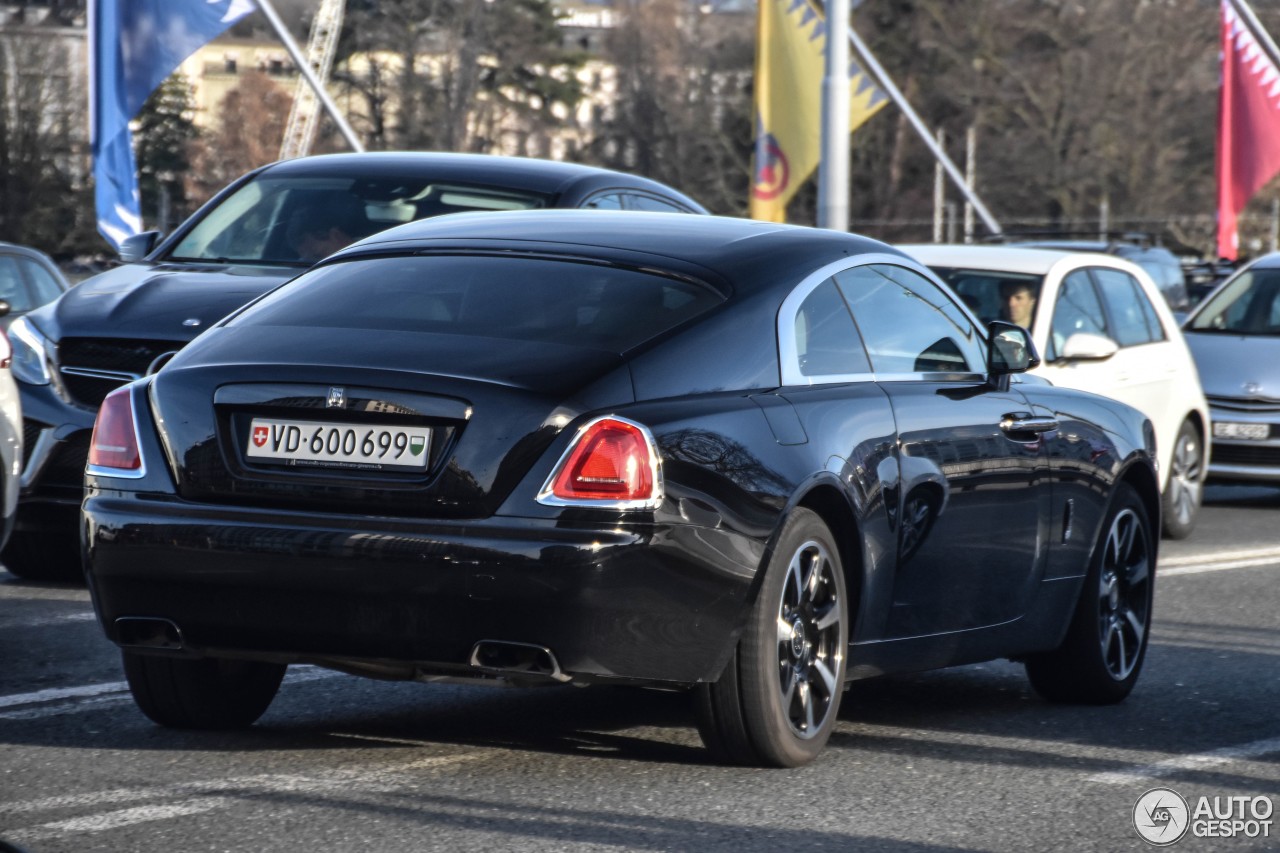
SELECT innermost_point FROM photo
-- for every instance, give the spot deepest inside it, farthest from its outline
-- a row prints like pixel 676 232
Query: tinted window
pixel 908 323
pixel 12 288
pixel 265 220
pixel 1248 305
pixel 608 201
pixel 827 342
pixel 654 205
pixel 988 292
pixel 47 288
pixel 1124 302
pixel 1078 309
pixel 586 304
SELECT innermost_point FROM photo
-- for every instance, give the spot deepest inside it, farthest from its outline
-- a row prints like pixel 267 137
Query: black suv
pixel 262 230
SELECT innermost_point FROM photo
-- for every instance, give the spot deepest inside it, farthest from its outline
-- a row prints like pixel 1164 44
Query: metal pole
pixel 970 170
pixel 874 68
pixel 833 170
pixel 1104 219
pixel 951 221
pixel 304 67
pixel 1275 223
pixel 1245 11
pixel 939 191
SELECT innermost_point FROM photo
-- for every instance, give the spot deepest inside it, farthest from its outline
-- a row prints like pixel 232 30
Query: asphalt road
pixel 965 759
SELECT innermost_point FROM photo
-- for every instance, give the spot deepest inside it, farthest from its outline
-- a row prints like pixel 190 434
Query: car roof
pixel 517 173
pixel 24 250
pixel 1007 258
pixel 739 250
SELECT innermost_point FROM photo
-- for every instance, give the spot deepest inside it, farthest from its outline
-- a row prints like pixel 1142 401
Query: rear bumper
pixel 654 603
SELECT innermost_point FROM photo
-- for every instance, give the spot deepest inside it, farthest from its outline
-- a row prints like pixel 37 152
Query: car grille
pixel 30 432
pixel 1243 454
pixel 91 368
pixel 1241 404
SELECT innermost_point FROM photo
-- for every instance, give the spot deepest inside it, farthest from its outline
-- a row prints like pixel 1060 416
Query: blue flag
pixel 133 46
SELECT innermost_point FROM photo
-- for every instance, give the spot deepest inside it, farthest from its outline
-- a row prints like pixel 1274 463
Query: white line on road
pixel 1197 761
pixel 115 820
pixel 62 700
pixel 42 621
pixel 1165 571
pixel 1222 556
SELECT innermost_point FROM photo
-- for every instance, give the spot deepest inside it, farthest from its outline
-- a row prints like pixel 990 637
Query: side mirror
pixel 138 246
pixel 1083 346
pixel 1009 349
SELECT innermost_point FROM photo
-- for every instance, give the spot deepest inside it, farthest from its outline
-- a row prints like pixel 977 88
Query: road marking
pixel 18 591
pixel 217 794
pixel 43 621
pixel 1197 761
pixel 116 820
pixel 64 700
pixel 1219 561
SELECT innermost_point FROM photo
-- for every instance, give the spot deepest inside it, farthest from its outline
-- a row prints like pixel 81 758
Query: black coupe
pixel 751 460
pixel 263 229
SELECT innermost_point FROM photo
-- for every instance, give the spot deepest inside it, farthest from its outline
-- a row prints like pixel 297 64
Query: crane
pixel 305 113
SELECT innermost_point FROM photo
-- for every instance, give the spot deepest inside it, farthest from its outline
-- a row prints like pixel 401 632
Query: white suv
pixel 1100 325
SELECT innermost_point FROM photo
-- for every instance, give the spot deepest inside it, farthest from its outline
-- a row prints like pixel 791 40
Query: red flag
pixel 1248 123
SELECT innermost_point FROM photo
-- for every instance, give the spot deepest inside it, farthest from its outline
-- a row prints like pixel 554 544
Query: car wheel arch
pixel 1147 484
pixel 824 496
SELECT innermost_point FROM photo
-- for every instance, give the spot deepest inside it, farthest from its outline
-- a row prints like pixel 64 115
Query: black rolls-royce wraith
pixel 752 460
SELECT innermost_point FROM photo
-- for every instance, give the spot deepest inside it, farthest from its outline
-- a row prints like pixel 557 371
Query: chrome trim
pixel 116 375
pixel 546 498
pixel 122 473
pixel 1029 424
pixel 788 353
pixel 555 673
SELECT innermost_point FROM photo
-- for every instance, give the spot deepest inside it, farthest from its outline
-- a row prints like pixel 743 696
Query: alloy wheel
pixel 1124 596
pixel 809 653
pixel 1185 478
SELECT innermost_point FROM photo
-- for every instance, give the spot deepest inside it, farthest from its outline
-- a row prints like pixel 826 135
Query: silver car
pixel 1234 336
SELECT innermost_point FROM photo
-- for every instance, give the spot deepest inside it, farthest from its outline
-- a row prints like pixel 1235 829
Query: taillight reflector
pixel 611 460
pixel 115 442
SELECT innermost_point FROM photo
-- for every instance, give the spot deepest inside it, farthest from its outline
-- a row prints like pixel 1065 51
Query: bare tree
pixel 251 125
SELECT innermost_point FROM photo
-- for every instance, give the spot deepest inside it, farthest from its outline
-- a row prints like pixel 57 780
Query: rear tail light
pixel 114 446
pixel 612 462
pixel 6 350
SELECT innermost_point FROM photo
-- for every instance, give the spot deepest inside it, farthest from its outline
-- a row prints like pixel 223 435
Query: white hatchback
pixel 1100 325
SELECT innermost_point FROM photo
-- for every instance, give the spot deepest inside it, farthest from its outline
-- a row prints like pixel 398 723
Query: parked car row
pixel 749 460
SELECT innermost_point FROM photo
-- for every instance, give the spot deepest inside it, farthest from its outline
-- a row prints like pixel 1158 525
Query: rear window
pixel 535 299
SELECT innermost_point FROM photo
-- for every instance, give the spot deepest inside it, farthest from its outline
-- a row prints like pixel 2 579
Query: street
pixel 963 759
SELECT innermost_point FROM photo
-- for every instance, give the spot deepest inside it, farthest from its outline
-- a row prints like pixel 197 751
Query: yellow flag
pixel 791 44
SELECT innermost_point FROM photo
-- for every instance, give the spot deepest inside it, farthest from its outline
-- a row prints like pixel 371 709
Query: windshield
pixel 511 298
pixel 1248 305
pixel 296 221
pixel 996 295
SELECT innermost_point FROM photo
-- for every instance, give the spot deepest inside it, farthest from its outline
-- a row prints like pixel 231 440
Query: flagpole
pixel 870 64
pixel 304 67
pixel 833 165
pixel 1245 11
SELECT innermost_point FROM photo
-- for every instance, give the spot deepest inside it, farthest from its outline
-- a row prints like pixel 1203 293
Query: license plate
pixel 1253 432
pixel 329 445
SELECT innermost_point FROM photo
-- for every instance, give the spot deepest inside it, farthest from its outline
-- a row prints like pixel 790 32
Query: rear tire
pixel 1099 661
pixel 1184 489
pixel 43 556
pixel 201 693
pixel 776 702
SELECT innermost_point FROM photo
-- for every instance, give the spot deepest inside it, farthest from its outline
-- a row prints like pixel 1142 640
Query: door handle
pixel 1024 422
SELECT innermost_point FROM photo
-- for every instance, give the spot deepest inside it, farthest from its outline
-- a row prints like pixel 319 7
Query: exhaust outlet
pixel 148 633
pixel 500 656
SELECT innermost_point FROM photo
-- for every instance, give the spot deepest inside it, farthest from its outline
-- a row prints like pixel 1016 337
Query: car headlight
pixel 30 353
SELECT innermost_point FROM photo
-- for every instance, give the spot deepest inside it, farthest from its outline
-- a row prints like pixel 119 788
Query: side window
pixel 12 288
pixel 1124 302
pixel 827 341
pixel 651 204
pixel 909 324
pixel 608 201
pixel 1077 309
pixel 46 287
